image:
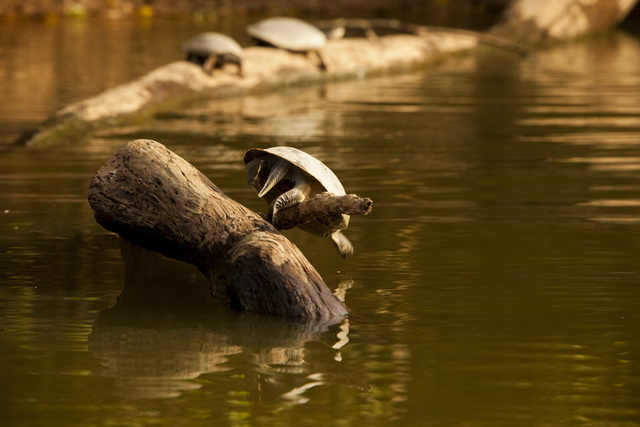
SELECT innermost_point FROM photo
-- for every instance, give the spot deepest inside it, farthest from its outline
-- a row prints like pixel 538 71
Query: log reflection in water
pixel 158 339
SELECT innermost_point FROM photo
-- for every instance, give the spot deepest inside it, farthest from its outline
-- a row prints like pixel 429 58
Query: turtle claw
pixel 275 219
pixel 344 246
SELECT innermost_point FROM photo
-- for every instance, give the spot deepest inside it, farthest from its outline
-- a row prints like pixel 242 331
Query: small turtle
pixel 285 176
pixel 213 50
pixel 292 34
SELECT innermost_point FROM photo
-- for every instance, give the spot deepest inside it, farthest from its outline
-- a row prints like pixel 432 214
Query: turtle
pixel 285 176
pixel 213 50
pixel 292 34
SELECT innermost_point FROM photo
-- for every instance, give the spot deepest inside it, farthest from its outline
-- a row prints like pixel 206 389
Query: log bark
pixel 157 200
pixel 533 22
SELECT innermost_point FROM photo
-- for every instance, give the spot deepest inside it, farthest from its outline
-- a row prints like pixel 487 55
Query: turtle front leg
pixel 240 72
pixel 210 64
pixel 321 64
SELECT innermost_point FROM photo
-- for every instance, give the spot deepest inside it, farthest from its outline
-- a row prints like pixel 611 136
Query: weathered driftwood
pixel 157 200
pixel 536 22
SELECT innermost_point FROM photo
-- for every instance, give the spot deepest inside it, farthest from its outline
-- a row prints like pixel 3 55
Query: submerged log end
pixel 271 276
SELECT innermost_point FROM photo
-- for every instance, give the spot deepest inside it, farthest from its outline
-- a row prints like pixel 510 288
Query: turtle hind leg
pixel 228 58
pixel 345 248
pixel 286 200
pixel 278 171
pixel 321 64
pixel 297 194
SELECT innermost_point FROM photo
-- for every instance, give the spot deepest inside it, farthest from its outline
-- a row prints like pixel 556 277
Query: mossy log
pixel 155 199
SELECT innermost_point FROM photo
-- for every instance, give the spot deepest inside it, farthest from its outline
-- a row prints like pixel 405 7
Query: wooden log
pixel 534 22
pixel 157 200
pixel 370 27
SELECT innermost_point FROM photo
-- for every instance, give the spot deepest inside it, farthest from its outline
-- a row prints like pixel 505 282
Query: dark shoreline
pixel 473 14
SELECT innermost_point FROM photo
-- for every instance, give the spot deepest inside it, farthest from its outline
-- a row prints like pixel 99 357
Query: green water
pixel 495 283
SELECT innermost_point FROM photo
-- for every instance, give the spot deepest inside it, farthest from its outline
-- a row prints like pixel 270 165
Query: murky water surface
pixel 496 281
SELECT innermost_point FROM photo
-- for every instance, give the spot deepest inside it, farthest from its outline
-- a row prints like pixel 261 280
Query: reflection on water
pixel 494 283
pixel 599 111
pixel 158 354
pixel 155 355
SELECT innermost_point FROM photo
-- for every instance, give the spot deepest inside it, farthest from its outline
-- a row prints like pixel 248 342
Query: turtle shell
pixel 323 179
pixel 288 33
pixel 312 166
pixel 206 44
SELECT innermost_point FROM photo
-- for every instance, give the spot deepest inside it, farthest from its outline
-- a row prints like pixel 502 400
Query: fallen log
pixel 155 199
pixel 369 28
pixel 181 83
